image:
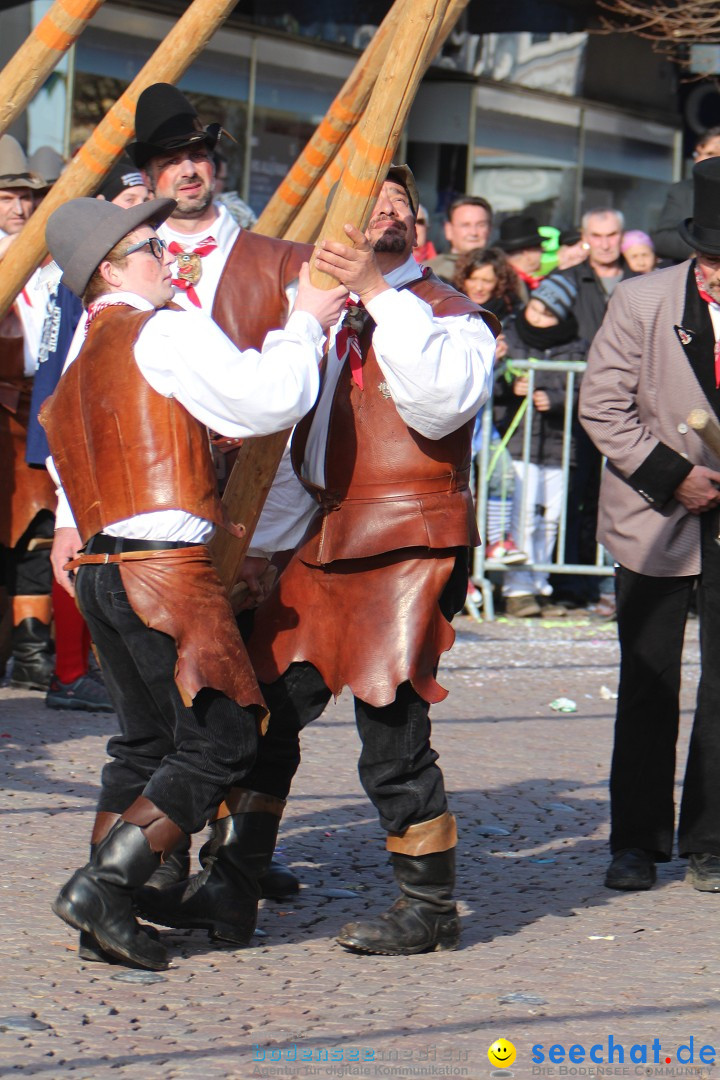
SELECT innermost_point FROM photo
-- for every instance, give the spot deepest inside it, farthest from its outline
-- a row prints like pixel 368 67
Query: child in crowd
pixel 545 330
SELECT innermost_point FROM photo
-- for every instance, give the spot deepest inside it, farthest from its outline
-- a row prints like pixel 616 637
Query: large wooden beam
pixel 344 112
pixel 375 142
pixel 172 57
pixel 297 209
pixel 23 76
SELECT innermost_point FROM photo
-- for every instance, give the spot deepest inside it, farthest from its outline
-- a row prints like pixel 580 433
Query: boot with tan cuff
pixel 425 917
pixel 223 897
pixel 98 899
pixel 88 949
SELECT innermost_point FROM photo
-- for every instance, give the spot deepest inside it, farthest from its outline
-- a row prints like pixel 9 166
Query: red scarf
pixel 347 344
pixel 100 305
pixel 530 280
pixel 204 248
pixel 704 295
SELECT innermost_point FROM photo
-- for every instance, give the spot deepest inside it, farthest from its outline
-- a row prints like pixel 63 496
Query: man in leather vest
pixel 381 519
pixel 246 281
pixel 127 428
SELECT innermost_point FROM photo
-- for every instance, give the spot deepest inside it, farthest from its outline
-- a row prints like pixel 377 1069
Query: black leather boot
pixel 174 869
pixel 422 919
pixel 33 655
pixel 98 898
pixel 223 897
pixel 88 949
pixel 278 882
pixel 425 916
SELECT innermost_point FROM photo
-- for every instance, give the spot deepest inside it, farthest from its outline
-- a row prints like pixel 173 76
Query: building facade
pixel 547 121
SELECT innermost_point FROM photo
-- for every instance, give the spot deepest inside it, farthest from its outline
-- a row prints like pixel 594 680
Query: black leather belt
pixel 102 544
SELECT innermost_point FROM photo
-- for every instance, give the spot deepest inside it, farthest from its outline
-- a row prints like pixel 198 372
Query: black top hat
pixel 702 230
pixel 519 232
pixel 164 121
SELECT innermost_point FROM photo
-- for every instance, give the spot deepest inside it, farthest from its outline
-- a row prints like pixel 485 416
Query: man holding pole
pixel 381 519
pixel 245 281
pixel 127 430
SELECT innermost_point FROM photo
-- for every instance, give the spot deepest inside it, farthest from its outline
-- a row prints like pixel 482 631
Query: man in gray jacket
pixel 653 361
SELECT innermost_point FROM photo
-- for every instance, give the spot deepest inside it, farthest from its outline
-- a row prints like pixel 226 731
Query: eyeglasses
pixel 156 245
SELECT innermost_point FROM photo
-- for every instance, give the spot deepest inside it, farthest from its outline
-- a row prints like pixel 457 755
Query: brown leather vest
pixel 250 298
pixel 121 448
pixel 24 490
pixel 388 487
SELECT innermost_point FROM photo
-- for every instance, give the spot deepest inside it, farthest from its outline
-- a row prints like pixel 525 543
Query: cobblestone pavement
pixel 549 956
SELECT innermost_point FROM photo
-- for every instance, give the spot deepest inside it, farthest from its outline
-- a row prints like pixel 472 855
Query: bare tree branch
pixel 671 26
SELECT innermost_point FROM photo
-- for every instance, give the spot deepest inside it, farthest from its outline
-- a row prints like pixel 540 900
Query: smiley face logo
pixel 501 1053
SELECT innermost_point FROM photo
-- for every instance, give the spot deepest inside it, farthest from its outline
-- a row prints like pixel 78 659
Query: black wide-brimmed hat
pixel 82 231
pixel 702 230
pixel 165 120
pixel 518 232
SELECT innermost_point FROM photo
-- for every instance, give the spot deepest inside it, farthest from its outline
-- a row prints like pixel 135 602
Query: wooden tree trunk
pixel 23 76
pixel 172 57
pixel 374 142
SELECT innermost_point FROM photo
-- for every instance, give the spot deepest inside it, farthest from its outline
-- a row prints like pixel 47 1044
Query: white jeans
pixel 540 488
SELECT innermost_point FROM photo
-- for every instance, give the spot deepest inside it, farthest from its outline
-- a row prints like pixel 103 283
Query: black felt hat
pixel 164 121
pixel 702 230
pixel 518 232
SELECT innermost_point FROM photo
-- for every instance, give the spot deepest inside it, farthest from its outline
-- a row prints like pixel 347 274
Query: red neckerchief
pixel 100 305
pixel 347 341
pixel 700 281
pixel 204 248
pixel 530 280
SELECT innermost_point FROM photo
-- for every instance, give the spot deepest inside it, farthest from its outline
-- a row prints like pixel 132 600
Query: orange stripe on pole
pixel 96 167
pixel 316 158
pixel 347 115
pixel 49 35
pixel 286 193
pixel 329 133
pixel 172 57
pixel 80 9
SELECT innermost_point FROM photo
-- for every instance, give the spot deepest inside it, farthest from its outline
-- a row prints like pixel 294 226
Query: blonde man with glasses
pixel 127 428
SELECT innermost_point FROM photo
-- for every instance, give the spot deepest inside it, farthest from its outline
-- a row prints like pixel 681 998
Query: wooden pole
pixel 297 208
pixel 707 428
pixel 38 55
pixel 309 216
pixel 172 57
pixel 344 112
pixel 378 133
pixel 374 144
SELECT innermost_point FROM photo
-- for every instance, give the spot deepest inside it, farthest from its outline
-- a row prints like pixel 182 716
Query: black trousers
pixel 29 573
pixel 652 613
pixel 397 764
pixel 182 759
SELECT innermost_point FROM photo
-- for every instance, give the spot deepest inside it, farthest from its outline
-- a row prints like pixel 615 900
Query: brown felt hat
pixel 80 233
pixel 14 168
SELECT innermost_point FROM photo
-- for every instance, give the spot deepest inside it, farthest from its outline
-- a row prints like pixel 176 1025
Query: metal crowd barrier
pixel 603 566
